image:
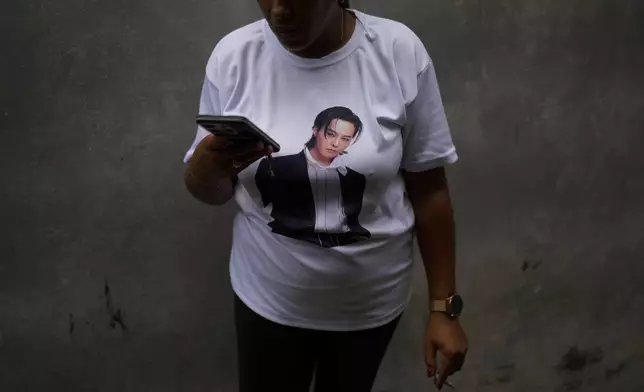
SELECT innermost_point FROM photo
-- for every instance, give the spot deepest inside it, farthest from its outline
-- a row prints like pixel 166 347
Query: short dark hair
pixel 344 3
pixel 323 120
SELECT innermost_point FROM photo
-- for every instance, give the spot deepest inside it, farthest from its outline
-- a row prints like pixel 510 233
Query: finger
pixel 238 149
pixel 243 162
pixel 458 361
pixel 430 358
pixel 216 143
pixel 250 156
pixel 233 147
pixel 446 370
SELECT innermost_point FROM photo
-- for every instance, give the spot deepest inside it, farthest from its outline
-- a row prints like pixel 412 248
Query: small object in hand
pixel 445 383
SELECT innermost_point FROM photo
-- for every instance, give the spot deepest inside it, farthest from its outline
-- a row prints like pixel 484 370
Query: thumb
pixel 430 357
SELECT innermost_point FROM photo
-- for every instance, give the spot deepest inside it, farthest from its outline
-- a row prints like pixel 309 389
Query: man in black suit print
pixel 314 197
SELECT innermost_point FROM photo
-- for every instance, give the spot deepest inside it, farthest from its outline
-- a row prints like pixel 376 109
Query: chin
pixel 293 44
pixel 330 157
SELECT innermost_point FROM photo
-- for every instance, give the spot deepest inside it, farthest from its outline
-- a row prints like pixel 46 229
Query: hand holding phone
pixel 236 128
pixel 235 139
pixel 218 157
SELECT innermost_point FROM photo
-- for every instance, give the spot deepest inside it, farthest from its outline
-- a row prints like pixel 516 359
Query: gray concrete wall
pixel 113 279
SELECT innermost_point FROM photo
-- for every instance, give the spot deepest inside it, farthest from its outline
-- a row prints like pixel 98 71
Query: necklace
pixel 342 28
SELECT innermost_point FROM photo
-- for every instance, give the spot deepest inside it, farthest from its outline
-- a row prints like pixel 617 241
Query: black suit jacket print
pixel 289 192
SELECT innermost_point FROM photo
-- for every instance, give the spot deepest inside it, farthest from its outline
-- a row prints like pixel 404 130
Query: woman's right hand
pixel 216 158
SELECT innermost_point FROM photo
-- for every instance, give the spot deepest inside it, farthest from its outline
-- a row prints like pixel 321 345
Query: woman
pixel 322 248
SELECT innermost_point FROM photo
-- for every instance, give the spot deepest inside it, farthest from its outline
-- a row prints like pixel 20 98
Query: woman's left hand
pixel 446 339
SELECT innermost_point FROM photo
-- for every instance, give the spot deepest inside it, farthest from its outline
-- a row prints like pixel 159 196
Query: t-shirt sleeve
pixel 208 104
pixel 427 142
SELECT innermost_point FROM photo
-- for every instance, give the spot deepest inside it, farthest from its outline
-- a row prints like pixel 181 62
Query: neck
pixel 336 34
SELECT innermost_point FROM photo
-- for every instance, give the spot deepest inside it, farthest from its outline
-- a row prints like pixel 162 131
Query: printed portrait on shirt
pixel 314 196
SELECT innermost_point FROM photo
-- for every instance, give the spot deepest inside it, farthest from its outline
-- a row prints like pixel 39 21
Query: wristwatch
pixel 452 305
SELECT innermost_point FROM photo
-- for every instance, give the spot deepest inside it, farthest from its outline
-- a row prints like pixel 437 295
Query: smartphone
pixel 236 128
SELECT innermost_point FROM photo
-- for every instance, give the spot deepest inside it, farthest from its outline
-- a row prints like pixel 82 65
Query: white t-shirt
pixel 324 236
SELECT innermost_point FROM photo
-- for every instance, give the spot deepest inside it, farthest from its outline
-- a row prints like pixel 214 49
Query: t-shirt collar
pixel 331 58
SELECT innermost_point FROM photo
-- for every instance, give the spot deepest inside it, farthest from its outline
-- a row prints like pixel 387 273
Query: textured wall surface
pixel 113 279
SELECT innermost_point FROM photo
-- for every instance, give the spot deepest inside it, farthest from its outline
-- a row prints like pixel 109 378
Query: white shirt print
pixel 327 194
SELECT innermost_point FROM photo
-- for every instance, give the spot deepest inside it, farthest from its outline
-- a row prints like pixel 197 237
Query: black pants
pixel 273 357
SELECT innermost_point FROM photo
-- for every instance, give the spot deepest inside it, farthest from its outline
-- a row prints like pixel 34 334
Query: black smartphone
pixel 236 128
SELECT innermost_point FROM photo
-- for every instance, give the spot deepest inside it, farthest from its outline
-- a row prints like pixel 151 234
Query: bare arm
pixel 216 192
pixel 203 180
pixel 429 195
pixel 210 176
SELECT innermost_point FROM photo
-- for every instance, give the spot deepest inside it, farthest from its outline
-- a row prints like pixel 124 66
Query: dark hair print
pixel 325 117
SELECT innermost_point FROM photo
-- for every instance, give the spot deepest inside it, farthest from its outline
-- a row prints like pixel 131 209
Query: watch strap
pixel 452 305
pixel 439 305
